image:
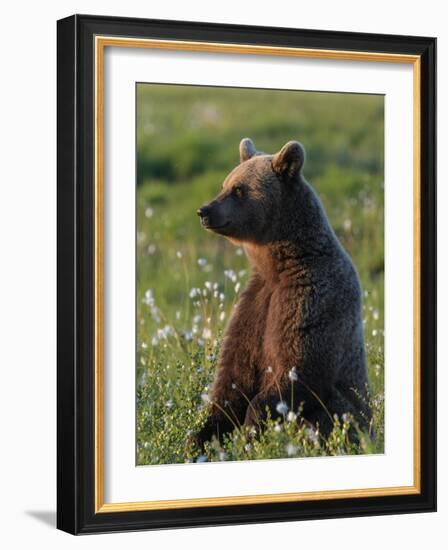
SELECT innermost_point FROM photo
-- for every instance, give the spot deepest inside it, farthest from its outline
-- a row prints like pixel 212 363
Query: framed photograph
pixel 246 274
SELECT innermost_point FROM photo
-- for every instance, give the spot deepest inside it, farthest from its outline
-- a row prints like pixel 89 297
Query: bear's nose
pixel 202 212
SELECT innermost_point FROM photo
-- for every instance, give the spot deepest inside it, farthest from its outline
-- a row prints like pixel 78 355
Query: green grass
pixel 188 279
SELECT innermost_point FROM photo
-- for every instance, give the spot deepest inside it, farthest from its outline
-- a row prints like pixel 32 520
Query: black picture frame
pixel 76 271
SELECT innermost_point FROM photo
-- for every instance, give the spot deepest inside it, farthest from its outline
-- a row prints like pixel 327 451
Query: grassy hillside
pixel 188 279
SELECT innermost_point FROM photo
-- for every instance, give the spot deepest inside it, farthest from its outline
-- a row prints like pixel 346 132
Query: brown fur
pixel 300 314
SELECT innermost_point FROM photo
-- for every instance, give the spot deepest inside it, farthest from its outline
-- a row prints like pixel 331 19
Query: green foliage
pixel 186 130
pixel 188 280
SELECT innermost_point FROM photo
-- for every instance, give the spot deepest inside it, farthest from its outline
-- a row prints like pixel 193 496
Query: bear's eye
pixel 238 192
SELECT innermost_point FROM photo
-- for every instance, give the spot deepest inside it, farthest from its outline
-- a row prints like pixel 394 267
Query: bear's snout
pixel 203 213
pixel 214 216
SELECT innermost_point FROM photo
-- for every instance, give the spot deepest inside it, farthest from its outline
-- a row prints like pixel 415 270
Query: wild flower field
pixel 188 279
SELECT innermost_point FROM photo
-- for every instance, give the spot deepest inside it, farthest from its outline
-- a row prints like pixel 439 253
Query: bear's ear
pixel 288 162
pixel 247 149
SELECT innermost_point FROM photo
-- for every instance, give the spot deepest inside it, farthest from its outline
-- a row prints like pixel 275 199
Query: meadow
pixel 188 280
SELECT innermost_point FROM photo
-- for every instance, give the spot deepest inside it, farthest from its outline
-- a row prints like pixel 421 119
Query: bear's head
pixel 255 193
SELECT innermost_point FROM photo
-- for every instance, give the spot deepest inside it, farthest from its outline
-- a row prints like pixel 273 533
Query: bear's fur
pixel 296 334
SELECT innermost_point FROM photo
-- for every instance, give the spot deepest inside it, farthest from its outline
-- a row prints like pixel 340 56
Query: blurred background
pixel 187 278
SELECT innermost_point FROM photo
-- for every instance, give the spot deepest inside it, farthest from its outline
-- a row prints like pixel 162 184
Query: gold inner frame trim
pixel 101 42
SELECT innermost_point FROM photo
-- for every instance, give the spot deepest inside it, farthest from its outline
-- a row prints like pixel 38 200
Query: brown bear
pixel 296 333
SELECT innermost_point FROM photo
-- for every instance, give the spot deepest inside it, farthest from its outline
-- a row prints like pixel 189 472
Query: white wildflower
pixel 291 417
pixel 282 407
pixel 205 398
pixel 148 299
pixel 206 334
pixel 164 332
pixel 230 274
pixel 222 315
pixel 202 262
pixel 149 212
pixel 292 375
pixel 291 449
pixel 311 434
pixel 194 292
